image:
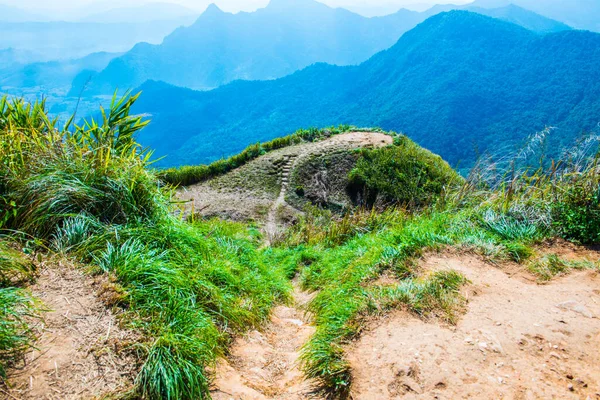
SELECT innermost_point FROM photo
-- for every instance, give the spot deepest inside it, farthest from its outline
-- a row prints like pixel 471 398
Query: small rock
pixel 555 355
pixel 569 376
pixel 571 387
pixel 469 340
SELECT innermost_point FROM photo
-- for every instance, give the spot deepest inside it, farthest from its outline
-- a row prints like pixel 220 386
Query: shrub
pixel 404 174
pixel 577 213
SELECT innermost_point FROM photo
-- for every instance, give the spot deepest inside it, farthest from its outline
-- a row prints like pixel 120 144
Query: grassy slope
pixel 190 286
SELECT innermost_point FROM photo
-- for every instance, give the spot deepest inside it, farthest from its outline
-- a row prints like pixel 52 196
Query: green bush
pixel 577 213
pixel 403 174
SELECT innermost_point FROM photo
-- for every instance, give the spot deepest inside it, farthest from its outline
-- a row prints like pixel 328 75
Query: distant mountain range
pixel 459 83
pixel 67 40
pixel 579 14
pixel 272 42
pixel 52 75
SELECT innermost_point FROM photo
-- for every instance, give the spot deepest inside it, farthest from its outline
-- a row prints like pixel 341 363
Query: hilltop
pixel 312 264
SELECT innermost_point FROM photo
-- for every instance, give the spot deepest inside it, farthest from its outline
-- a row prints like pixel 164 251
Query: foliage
pixel 404 174
pixel 86 192
pixel 16 306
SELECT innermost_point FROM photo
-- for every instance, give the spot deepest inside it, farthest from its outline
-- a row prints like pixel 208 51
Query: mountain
pixel 458 83
pixel 11 57
pixel 47 76
pixel 508 12
pixel 278 40
pixel 67 40
pixel 145 13
pixel 580 14
pixel 272 42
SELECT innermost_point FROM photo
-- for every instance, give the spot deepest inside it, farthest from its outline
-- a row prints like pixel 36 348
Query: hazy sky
pixel 76 6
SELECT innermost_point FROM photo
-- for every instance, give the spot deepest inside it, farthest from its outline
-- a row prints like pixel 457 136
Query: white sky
pixel 76 6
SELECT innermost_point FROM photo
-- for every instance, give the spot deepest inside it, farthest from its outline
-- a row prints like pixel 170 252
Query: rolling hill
pixel 459 83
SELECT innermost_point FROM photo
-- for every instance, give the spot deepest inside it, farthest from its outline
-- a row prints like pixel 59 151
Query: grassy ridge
pixel 189 175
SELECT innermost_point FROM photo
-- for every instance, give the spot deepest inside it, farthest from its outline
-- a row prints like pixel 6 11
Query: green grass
pixel 17 306
pixel 86 192
pixel 189 288
pixel 551 266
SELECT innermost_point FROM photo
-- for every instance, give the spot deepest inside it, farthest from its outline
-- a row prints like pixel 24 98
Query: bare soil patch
pixel 80 352
pixel 518 340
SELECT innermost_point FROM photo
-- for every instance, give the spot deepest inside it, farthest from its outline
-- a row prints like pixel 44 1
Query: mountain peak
pixel 212 9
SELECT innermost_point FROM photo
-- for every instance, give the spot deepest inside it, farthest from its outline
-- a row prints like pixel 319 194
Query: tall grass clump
pixel 87 193
pixel 555 198
pixel 17 306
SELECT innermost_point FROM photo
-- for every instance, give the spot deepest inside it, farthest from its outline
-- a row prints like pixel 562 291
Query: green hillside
pixel 188 287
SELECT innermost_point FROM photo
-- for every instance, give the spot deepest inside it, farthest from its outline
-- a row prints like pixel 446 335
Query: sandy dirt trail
pixel 518 340
pixel 264 365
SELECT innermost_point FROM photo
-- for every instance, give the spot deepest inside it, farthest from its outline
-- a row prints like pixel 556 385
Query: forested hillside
pixel 460 83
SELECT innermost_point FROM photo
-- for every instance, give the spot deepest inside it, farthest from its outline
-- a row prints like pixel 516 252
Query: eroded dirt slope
pixel 80 353
pixel 517 340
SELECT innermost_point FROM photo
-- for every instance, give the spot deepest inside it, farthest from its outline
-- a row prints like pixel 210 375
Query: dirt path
pixel 272 227
pixel 518 340
pixel 264 365
pixel 79 352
